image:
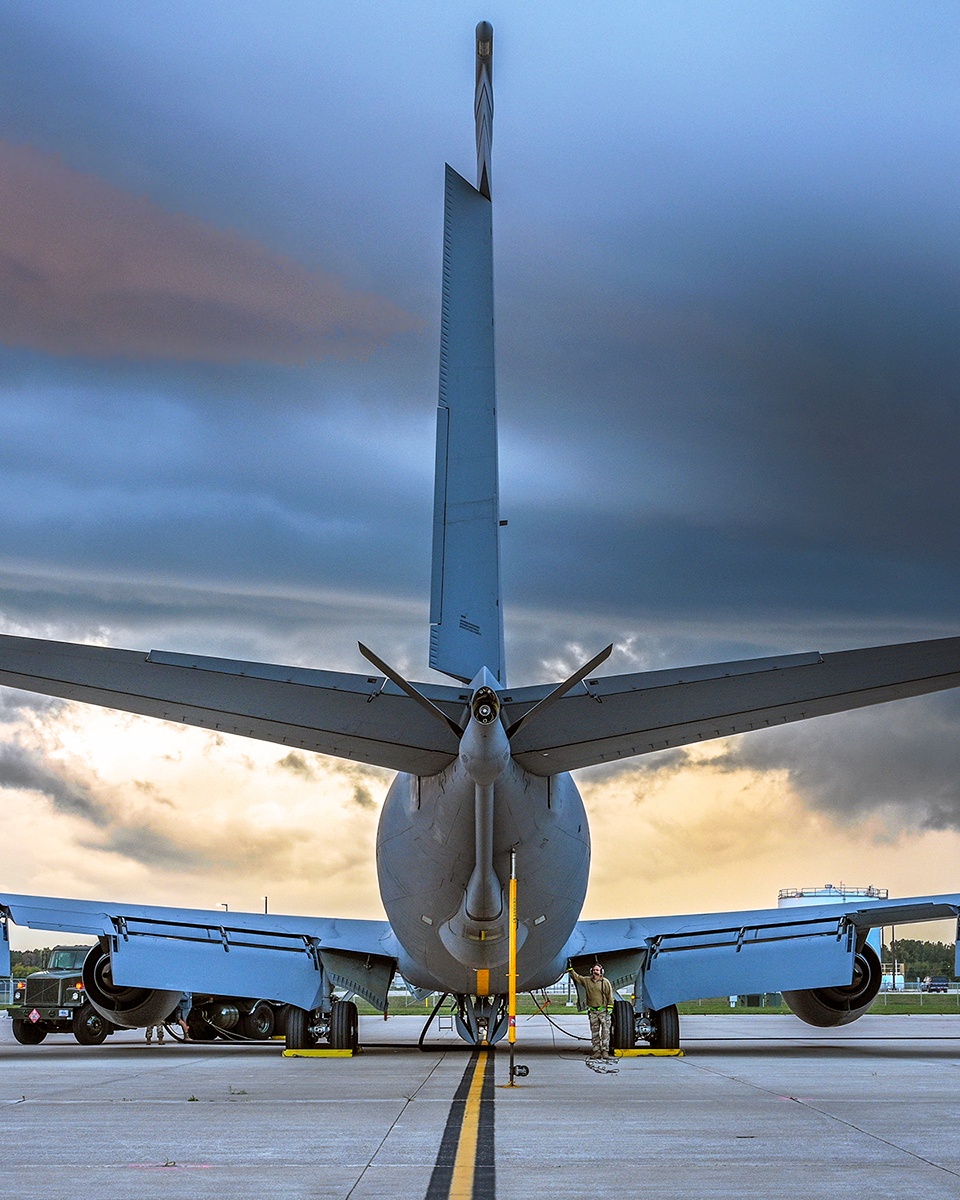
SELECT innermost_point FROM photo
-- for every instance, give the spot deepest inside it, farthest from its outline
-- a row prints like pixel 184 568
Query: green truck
pixel 53 1001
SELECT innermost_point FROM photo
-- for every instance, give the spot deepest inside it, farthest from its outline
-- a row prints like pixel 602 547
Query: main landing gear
pixel 659 1027
pixel 340 1027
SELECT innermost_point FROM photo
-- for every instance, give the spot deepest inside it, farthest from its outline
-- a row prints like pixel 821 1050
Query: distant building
pixel 836 894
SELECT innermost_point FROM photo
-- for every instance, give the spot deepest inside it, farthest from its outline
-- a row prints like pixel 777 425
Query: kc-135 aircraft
pixel 483 770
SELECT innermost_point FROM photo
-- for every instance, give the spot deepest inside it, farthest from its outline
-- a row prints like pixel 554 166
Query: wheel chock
pixel 319 1053
pixel 648 1053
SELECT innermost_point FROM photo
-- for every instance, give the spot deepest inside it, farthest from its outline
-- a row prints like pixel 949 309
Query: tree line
pixel 25 962
pixel 920 959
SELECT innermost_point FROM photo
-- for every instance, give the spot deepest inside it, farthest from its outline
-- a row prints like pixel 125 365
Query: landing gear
pixel 666 1028
pixel 89 1028
pixel 28 1034
pixel 658 1026
pixel 297 1036
pixel 481 1020
pixel 622 1032
pixel 344 1026
pixel 304 1030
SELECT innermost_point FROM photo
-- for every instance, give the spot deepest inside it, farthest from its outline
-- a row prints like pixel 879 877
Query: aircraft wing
pixel 360 717
pixel 606 719
pixel 271 957
pixel 703 955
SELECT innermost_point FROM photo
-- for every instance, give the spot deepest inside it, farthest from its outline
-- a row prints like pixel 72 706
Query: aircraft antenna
pixel 483 105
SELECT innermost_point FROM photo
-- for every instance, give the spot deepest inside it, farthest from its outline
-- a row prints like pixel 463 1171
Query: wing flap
pixel 752 958
pixel 701 955
pixel 357 717
pixel 276 957
pixel 627 715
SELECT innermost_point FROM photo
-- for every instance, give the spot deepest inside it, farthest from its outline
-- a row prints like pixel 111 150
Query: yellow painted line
pixel 464 1165
pixel 318 1054
pixel 483 983
pixel 640 1053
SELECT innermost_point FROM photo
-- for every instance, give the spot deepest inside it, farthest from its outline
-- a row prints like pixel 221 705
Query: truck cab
pixel 53 1001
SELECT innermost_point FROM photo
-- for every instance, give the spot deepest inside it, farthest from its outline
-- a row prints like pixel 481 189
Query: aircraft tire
pixel 667 1022
pixel 344 1026
pixel 28 1034
pixel 297 1037
pixel 622 1035
pixel 258 1024
pixel 89 1028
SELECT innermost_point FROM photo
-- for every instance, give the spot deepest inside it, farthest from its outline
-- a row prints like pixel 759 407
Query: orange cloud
pixel 88 269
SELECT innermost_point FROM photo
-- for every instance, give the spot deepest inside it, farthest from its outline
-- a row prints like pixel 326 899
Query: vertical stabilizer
pixel 465 614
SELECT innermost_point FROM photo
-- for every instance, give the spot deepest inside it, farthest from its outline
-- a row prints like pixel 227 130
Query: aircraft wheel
pixel 622 1035
pixel 28 1034
pixel 297 1036
pixel 667 1023
pixel 344 1026
pixel 89 1028
pixel 258 1025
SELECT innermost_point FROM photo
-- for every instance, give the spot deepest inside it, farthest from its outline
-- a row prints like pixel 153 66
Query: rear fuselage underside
pixel 426 855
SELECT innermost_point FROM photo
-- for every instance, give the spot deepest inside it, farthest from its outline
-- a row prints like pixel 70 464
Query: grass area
pixel 893 1003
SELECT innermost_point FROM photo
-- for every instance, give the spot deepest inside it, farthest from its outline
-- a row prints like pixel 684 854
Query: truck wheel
pixel 89 1028
pixel 258 1025
pixel 344 1026
pixel 200 1028
pixel 28 1034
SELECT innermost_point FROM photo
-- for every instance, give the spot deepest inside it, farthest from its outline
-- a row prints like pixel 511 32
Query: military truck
pixel 53 1001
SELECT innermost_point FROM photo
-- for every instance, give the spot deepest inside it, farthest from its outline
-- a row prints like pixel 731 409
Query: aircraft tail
pixel 465 611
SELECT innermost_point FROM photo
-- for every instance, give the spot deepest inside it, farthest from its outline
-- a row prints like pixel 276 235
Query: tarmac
pixel 759 1106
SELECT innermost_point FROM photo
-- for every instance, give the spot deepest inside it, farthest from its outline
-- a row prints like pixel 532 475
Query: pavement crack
pixel 758 1087
pixel 407 1101
pixel 875 1136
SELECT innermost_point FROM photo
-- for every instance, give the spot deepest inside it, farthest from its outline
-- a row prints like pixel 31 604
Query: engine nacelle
pixel 840 1005
pixel 128 1007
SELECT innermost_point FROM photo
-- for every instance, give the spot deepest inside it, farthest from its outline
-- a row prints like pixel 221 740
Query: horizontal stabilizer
pixel 364 718
pixel 607 719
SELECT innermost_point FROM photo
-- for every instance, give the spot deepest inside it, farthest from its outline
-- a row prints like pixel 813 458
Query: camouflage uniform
pixel 600 1031
pixel 599 994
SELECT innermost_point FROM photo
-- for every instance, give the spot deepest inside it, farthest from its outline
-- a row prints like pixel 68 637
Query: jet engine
pixel 840 1005
pixel 128 1007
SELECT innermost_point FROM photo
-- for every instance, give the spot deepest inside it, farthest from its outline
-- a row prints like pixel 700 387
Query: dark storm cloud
pixel 901 760
pixel 142 844
pixel 86 268
pixel 31 771
pixel 788 446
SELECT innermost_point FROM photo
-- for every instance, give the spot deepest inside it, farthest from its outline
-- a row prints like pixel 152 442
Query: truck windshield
pixel 67 960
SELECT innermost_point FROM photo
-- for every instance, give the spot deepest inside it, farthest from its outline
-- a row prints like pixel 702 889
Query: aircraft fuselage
pixel 426 862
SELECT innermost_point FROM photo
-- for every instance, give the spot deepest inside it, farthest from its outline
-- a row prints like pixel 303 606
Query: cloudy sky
pixel 728 289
